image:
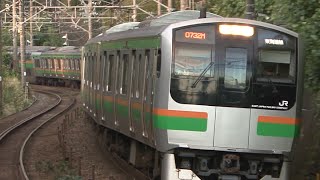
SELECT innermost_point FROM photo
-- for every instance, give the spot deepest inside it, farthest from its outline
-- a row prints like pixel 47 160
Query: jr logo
pixel 283 103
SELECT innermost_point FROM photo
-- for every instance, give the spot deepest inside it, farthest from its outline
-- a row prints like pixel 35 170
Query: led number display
pixel 195 35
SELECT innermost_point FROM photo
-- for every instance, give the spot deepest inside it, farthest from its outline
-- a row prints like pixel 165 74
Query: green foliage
pixel 6 60
pixel 303 17
pixel 48 36
pixel 227 8
pixel 6 37
pixel 13 94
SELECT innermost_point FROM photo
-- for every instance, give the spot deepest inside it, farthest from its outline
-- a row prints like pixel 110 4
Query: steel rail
pixel 36 129
pixel 4 133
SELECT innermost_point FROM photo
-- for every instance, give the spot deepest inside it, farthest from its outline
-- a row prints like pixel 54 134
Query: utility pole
pixel 14 36
pixel 169 6
pixel 250 9
pixel 159 7
pixel 134 16
pixel 183 5
pixel 90 19
pixel 1 107
pixel 22 43
pixel 31 21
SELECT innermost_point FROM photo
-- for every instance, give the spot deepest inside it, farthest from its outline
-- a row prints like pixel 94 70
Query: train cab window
pixel 194 66
pixel 235 68
pixel 276 66
pixel 124 67
pixel 276 57
pixel 192 60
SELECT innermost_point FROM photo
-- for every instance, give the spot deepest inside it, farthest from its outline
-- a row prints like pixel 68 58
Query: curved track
pixel 16 131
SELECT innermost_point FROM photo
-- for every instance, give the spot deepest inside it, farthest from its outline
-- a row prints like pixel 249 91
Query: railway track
pixel 17 130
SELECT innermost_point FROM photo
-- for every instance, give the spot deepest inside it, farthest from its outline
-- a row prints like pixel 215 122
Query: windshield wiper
pixel 202 74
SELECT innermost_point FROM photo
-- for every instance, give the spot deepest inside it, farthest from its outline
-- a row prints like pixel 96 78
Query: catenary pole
pixel 31 21
pixel 90 18
pixel 183 4
pixel 14 36
pixel 22 42
pixel 135 14
pixel 169 6
pixel 159 7
pixel 1 59
pixel 250 9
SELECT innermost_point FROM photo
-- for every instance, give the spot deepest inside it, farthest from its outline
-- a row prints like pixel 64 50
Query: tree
pixel 303 17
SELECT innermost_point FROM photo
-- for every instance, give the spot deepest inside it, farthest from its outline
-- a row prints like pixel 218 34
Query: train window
pixel 276 66
pixel 77 64
pixel 104 69
pixel 236 68
pixel 193 60
pixel 58 64
pixel 147 73
pixel 36 63
pixel 139 74
pixel 110 64
pixel 46 63
pixel 72 64
pixel 50 63
pixel 158 63
pixel 133 76
pixel 124 65
pixel 65 63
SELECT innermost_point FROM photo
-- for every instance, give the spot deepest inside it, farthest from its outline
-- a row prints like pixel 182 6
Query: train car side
pixel 59 66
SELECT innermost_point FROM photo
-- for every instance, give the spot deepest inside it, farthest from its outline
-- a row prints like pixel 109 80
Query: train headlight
pixel 237 30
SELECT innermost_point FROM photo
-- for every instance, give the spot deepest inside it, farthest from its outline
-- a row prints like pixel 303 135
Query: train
pixel 188 97
pixel 53 66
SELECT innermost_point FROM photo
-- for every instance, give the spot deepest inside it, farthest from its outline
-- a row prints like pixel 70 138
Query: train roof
pixel 175 17
pixel 29 49
pixel 146 29
pixel 64 50
pixel 150 27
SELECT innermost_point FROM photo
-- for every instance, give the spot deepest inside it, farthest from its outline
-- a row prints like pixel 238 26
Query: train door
pixel 109 87
pixel 232 129
pixel 115 79
pixel 122 105
pixel 134 73
pixel 148 93
pixel 136 89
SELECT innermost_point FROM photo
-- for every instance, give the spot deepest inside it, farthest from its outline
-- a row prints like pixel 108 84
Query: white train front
pixel 211 98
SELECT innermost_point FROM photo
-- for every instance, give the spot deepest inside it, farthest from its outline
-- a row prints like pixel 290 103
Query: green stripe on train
pixel 277 130
pixel 153 42
pixel 179 123
pixel 74 56
pixel 160 122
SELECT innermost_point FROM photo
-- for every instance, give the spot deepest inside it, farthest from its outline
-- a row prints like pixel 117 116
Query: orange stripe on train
pixel 277 120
